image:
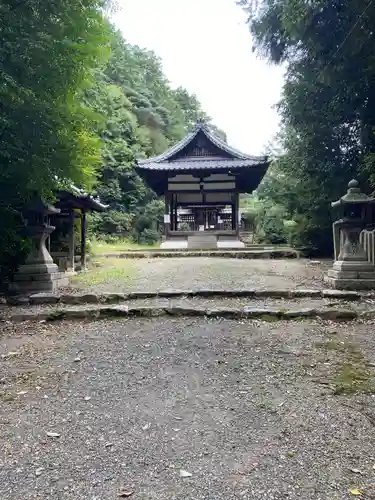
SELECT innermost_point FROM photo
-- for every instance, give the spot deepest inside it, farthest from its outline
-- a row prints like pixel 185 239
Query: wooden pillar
pixel 233 212
pixel 71 241
pixel 167 215
pixel 171 212
pixel 237 213
pixel 175 214
pixel 235 206
pixel 83 239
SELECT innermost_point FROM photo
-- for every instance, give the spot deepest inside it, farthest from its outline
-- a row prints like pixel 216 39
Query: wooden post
pixel 237 213
pixel 83 239
pixel 171 212
pixel 167 216
pixel 71 241
pixel 233 213
pixel 175 214
pixel 235 206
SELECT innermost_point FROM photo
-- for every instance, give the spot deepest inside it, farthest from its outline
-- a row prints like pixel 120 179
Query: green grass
pixel 98 247
pixel 354 377
pixel 111 270
pixel 352 374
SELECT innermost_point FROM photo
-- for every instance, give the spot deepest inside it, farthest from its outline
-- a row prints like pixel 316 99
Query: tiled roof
pixel 202 164
pixel 217 141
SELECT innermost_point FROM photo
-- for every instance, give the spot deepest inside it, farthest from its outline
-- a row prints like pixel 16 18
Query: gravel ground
pixel 209 273
pixel 245 407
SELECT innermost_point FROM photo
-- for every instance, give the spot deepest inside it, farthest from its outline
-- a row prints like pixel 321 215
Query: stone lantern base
pixel 349 275
pixel 34 278
pixel 39 273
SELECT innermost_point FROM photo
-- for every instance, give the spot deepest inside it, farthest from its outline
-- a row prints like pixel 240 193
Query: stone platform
pixel 202 241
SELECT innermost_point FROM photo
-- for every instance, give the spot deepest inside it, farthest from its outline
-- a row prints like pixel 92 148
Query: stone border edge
pixel 265 314
pixel 232 254
pixel 111 298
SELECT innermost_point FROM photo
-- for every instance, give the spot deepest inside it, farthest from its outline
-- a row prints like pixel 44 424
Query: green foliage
pixel 327 126
pixel 143 116
pixel 13 246
pixel 79 105
pixel 111 222
pixel 266 219
pixel 270 227
pixel 148 236
pixel 45 61
pixel 48 54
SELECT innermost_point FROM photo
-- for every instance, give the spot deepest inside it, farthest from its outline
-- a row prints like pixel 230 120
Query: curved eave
pixel 248 176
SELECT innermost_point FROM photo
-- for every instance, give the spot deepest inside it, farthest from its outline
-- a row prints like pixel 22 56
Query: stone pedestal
pixel 352 269
pixel 39 273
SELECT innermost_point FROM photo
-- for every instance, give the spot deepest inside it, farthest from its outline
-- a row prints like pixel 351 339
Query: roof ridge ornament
pixel 200 123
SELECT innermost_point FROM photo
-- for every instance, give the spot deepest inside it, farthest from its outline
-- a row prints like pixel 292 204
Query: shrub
pixel 110 223
pixel 149 237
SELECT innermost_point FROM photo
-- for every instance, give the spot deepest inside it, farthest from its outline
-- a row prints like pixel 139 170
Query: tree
pixel 48 54
pixel 327 108
pixel 143 116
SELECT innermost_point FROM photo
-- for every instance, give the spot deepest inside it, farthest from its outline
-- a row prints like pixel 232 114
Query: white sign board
pixel 167 219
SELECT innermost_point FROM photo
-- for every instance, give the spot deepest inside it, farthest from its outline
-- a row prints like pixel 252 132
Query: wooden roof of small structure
pixel 78 199
pixel 203 153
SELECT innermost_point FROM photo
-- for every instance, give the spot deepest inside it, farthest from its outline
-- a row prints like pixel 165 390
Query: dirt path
pixel 248 408
pixel 211 273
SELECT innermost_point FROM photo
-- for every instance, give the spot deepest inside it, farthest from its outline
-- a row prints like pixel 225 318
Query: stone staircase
pixel 202 241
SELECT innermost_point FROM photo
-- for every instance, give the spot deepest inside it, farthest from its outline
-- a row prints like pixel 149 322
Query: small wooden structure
pixel 73 205
pixel 201 178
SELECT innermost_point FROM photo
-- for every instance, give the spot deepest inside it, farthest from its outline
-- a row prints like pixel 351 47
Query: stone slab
pixel 351 274
pixel 332 273
pixel 230 254
pixel 300 293
pixel 18 300
pixel 174 245
pixel 92 313
pixel 36 269
pixel 44 298
pixel 32 287
pixel 110 298
pixel 341 294
pixel 230 244
pixel 273 293
pixel 350 284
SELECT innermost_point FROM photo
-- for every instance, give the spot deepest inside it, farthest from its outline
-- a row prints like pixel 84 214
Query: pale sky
pixel 206 47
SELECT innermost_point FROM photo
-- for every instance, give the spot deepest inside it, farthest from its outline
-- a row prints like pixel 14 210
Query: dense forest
pixel 327 109
pixel 78 105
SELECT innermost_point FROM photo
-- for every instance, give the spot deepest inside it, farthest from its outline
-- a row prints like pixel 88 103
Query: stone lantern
pixel 39 273
pixel 351 269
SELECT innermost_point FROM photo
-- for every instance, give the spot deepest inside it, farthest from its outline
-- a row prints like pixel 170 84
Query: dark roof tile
pixel 214 139
pixel 202 164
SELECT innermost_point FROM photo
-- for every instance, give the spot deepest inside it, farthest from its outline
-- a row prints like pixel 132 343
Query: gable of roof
pixel 201 131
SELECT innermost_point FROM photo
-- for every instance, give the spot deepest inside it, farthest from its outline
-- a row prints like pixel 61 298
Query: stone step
pixel 108 298
pixel 245 253
pixel 200 242
pixel 94 312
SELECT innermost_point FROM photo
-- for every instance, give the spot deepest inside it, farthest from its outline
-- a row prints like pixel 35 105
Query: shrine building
pixel 201 178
